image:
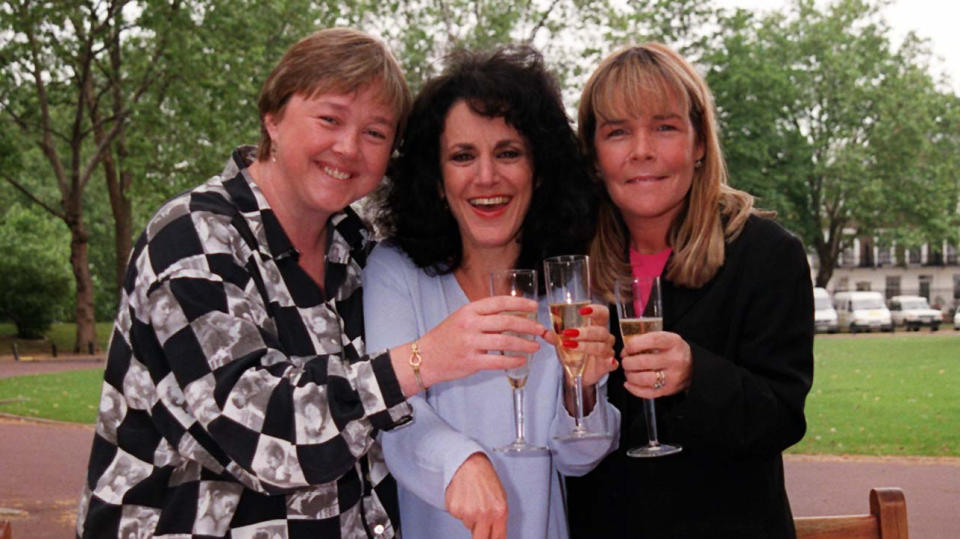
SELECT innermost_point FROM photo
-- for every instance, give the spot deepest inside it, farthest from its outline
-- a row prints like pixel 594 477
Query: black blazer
pixel 750 330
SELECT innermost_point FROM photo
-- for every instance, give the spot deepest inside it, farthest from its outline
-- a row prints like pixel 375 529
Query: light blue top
pixel 453 420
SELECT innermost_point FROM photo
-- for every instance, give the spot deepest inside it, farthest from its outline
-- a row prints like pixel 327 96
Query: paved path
pixel 43 470
pixel 9 367
pixel 42 466
pixel 841 485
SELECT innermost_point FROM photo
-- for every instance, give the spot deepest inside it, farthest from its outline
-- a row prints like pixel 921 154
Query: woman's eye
pixel 377 134
pixel 666 127
pixel 461 157
pixel 328 120
pixel 510 154
pixel 615 133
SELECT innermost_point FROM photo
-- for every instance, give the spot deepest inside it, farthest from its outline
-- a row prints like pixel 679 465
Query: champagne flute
pixel 567 281
pixel 640 310
pixel 520 283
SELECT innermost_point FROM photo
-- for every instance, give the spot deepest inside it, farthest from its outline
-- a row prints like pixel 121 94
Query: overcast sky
pixel 937 20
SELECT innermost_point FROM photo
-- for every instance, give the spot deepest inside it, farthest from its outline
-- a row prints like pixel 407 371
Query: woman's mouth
pixel 336 173
pixel 644 179
pixel 489 203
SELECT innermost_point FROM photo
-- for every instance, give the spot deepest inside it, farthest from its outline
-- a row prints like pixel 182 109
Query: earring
pixel 699 163
pixel 273 152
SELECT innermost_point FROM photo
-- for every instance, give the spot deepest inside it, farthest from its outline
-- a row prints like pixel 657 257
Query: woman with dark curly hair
pixel 488 178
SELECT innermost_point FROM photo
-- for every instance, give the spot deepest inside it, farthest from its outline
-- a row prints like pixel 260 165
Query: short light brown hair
pixel 641 78
pixel 341 60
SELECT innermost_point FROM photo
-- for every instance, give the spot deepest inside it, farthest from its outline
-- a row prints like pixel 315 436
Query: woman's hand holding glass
pixel 475 337
pixel 596 341
pixel 645 355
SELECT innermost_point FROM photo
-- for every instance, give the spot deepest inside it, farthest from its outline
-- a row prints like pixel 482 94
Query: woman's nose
pixel 641 148
pixel 486 171
pixel 346 144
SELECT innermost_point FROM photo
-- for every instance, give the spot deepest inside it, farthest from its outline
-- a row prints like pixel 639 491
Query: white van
pixel 824 316
pixel 862 311
pixel 913 312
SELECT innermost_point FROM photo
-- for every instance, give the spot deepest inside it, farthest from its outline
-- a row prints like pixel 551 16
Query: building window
pixel 866 252
pixel 956 287
pixel 913 255
pixel 883 256
pixel 892 286
pixel 924 282
pixel 951 254
pixel 863 286
pixel 935 256
pixel 843 285
pixel 847 258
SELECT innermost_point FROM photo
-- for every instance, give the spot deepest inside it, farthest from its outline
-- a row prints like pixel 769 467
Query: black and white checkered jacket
pixel 237 399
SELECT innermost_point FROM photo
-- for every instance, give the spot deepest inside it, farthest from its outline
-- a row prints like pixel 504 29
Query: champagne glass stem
pixel 578 403
pixel 518 414
pixel 651 415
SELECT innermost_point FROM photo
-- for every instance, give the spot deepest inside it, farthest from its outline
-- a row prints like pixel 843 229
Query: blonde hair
pixel 637 78
pixel 333 59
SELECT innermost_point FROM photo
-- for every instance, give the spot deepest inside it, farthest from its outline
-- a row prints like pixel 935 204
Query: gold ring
pixel 661 380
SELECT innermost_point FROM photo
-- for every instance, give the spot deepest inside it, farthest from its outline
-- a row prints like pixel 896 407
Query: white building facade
pixel 929 271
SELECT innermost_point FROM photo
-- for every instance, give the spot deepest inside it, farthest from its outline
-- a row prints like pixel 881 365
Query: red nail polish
pixel 571 332
pixel 570 344
pixel 586 310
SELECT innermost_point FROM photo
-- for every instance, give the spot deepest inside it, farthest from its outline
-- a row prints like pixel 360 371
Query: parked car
pixel 956 319
pixel 862 311
pixel 824 315
pixel 913 312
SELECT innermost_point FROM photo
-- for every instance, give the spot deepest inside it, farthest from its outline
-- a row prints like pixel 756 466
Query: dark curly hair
pixel 511 83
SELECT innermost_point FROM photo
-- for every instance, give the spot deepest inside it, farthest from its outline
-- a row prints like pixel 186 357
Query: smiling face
pixel 331 149
pixel 646 159
pixel 487 170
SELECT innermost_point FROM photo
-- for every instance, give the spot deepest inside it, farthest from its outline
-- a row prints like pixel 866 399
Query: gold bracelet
pixel 415 361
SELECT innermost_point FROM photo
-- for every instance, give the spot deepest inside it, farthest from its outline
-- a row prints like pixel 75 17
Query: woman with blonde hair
pixel 733 366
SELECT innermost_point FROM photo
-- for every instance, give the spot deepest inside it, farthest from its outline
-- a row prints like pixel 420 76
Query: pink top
pixel 647 266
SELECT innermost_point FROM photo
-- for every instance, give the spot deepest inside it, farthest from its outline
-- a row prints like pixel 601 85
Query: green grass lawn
pixel 890 395
pixel 65 396
pixel 64 335
pixel 878 395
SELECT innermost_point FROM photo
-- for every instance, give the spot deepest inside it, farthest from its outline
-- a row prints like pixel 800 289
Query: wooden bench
pixel 887 520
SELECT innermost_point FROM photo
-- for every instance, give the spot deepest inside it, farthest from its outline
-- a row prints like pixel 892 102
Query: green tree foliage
pixel 36 283
pixel 572 34
pixel 149 95
pixel 834 128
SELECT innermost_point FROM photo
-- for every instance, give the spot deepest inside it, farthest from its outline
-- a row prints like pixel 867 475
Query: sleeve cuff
pixel 398 411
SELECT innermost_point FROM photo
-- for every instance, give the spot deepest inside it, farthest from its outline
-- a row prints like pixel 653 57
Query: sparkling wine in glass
pixel 567 280
pixel 520 283
pixel 640 310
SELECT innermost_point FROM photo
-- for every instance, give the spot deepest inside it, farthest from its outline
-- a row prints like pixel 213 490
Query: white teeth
pixel 489 201
pixel 336 173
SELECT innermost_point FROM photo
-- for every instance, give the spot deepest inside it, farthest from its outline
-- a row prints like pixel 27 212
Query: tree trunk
pixel 79 262
pixel 825 271
pixel 118 177
pixel 829 252
pixel 123 240
pixel 121 207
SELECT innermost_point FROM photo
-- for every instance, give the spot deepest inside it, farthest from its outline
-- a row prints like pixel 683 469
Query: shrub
pixel 35 281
